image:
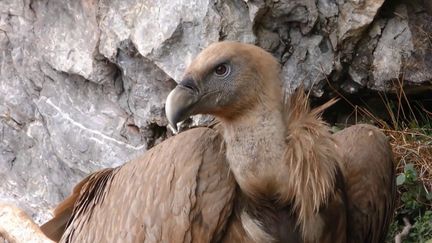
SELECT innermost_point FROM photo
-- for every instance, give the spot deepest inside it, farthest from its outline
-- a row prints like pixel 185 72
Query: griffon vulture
pixel 270 171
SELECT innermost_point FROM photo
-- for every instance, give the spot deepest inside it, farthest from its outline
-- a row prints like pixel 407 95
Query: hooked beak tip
pixel 174 128
pixel 170 113
pixel 182 102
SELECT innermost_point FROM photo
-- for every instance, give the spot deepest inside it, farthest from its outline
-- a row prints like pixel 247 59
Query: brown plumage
pixel 179 191
pixel 271 172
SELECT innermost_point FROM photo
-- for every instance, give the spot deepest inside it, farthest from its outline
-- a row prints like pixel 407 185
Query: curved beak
pixel 181 102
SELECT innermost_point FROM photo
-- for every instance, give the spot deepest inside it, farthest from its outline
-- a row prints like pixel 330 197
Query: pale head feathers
pixel 252 69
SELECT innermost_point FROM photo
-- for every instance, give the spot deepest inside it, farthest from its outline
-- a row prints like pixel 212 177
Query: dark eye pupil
pixel 221 69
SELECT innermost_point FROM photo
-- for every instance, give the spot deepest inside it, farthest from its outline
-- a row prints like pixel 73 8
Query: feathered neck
pixel 312 158
pixel 287 155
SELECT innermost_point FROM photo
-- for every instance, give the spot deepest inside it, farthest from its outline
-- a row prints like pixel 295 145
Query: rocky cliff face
pixel 83 83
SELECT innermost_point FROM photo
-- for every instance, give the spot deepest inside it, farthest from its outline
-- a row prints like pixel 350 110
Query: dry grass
pixel 409 129
pixel 413 146
pixel 410 135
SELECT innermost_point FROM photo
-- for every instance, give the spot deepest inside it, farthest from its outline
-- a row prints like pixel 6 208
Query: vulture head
pixel 224 81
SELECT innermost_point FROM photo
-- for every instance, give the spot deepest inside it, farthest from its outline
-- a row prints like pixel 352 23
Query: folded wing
pixel 369 182
pixel 179 191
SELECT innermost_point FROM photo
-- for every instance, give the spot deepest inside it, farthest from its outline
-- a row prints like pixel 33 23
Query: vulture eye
pixel 222 70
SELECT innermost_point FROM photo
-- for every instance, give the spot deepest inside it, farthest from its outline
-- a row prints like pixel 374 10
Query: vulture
pixel 269 170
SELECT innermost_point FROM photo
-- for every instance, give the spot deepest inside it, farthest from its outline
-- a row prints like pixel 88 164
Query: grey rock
pixel 310 63
pixel 355 16
pixel 328 8
pixel 303 12
pixel 116 24
pixel 168 32
pixel 361 66
pixel 395 42
pixel 418 66
pixel 67 45
pixel 395 48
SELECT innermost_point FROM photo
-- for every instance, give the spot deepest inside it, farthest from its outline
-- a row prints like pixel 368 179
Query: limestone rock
pixel 396 50
pixel 355 16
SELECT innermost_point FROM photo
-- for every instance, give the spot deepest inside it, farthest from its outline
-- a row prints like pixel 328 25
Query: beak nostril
pixel 189 84
pixel 188 87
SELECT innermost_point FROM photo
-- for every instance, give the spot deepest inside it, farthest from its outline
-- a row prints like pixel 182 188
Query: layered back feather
pixel 179 191
pixel 85 195
pixel 92 194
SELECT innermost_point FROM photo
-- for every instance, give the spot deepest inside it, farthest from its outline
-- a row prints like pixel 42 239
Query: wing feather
pixel 180 190
pixel 369 181
pixel 55 227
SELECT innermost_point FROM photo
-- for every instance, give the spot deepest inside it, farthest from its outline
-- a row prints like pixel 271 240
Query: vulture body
pixel 269 172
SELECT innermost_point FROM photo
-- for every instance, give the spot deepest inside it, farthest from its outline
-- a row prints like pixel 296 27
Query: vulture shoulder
pixel 62 213
pixel 179 191
pixel 368 168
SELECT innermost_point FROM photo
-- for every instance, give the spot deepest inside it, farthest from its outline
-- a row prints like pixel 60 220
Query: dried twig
pixel 405 231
